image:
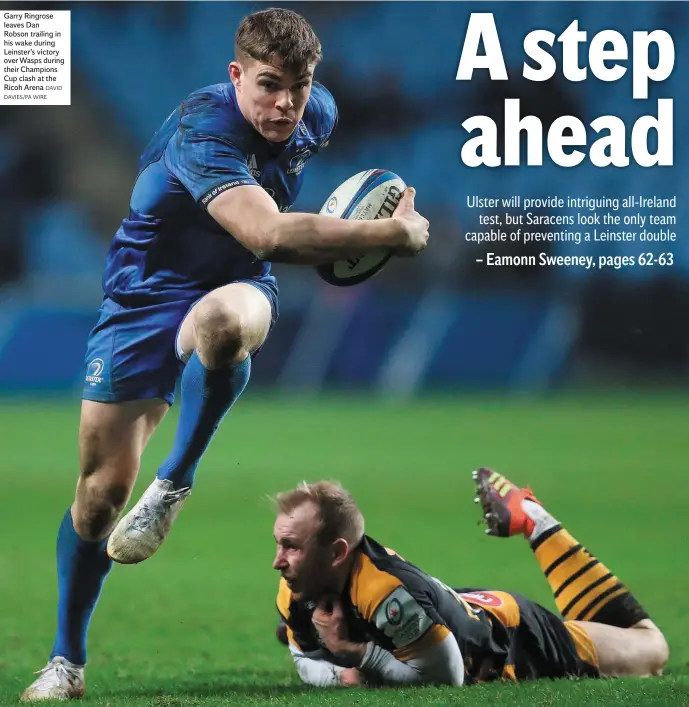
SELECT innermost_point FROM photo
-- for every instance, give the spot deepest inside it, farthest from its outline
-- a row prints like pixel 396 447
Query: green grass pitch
pixel 195 624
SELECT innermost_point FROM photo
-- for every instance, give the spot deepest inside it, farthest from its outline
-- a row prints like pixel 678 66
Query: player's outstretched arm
pixel 439 664
pixel 319 673
pixel 323 673
pixel 252 217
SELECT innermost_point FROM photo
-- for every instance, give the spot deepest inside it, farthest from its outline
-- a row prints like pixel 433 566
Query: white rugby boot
pixel 59 680
pixel 142 531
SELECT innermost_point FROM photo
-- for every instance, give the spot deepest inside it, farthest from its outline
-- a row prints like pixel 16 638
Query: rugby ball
pixel 368 195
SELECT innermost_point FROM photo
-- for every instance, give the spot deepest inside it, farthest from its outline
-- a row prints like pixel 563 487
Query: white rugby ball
pixel 368 195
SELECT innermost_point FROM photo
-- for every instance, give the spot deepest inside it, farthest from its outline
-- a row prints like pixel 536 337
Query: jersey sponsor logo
pixel 94 370
pixel 298 162
pixel 402 618
pixel 223 187
pixel 485 598
pixel 251 163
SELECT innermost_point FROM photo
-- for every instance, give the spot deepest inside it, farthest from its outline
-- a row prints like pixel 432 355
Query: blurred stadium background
pixel 441 321
pixel 488 350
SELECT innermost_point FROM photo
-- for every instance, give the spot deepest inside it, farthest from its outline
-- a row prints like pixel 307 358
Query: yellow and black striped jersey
pixel 502 635
pixel 404 610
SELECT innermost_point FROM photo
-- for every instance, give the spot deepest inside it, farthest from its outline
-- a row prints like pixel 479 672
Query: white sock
pixel 542 519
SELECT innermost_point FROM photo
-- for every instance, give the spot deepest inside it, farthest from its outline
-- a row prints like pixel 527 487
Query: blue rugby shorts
pixel 132 353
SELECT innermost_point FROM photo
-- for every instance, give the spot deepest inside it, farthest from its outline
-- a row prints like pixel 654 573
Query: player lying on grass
pixel 354 612
pixel 189 295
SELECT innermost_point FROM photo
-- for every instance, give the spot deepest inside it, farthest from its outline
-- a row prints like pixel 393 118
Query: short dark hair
pixel 278 34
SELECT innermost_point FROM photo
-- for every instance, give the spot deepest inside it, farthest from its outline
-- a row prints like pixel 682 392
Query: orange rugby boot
pixel 501 501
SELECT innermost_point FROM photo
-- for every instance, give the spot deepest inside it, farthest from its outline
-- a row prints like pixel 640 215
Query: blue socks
pixel 206 398
pixel 82 567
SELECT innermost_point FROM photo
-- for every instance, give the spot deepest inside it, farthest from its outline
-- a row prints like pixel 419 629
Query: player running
pixel 188 290
pixel 357 613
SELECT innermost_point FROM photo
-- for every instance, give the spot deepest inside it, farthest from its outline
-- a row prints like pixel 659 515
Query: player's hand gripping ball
pixel 368 195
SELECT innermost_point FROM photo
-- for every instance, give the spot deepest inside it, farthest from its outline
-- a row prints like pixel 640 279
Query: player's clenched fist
pixel 329 621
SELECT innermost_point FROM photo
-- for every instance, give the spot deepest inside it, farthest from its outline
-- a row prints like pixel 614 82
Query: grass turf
pixel 195 624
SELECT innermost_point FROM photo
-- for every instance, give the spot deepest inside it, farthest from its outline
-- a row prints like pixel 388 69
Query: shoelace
pixel 61 671
pixel 148 514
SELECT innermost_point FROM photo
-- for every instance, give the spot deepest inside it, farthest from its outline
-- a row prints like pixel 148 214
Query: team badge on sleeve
pixel 402 618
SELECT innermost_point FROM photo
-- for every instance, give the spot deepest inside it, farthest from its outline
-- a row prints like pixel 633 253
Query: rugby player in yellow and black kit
pixel 354 612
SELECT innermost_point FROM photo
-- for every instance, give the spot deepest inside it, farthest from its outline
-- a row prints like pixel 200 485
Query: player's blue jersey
pixel 169 247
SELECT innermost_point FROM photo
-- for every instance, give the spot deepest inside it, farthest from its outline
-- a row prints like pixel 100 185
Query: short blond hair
pixel 339 514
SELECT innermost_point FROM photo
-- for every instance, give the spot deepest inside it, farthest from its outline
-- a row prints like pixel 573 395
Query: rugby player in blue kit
pixel 188 290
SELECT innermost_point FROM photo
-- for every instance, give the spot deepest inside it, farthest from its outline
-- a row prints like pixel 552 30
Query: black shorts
pixel 540 644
